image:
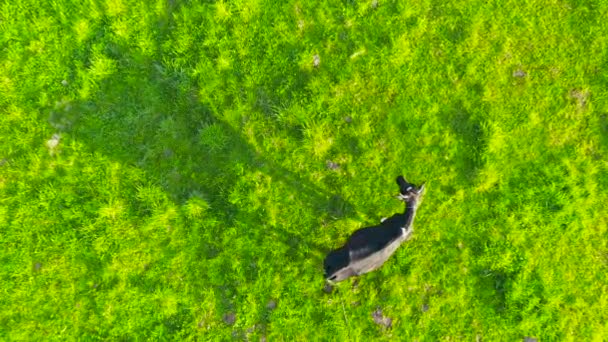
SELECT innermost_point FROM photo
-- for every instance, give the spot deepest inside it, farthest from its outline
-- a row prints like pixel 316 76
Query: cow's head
pixel 408 191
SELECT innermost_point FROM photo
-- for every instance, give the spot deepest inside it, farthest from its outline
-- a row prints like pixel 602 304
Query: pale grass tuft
pixel 115 7
pixel 489 177
pixel 196 207
pixel 358 53
pixel 112 210
pixel 320 140
pixel 222 11
pixel 101 67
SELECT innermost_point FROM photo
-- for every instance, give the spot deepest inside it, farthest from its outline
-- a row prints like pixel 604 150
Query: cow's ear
pixel 421 188
pixel 402 182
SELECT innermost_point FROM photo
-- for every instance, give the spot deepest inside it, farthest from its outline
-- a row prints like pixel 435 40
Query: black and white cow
pixel 368 248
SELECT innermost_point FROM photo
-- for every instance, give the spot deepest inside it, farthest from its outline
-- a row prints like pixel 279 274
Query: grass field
pixel 177 170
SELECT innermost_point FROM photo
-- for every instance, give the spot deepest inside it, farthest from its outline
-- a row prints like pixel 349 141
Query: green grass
pixel 190 181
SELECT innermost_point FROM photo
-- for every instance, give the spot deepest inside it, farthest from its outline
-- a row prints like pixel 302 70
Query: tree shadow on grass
pixel 165 141
pixel 150 115
pixel 472 141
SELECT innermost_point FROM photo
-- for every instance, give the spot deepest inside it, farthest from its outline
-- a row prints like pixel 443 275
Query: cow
pixel 368 248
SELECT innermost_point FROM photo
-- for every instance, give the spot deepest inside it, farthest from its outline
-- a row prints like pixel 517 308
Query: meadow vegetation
pixel 177 170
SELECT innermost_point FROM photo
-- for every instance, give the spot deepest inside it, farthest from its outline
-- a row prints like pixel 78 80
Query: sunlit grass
pixel 177 170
